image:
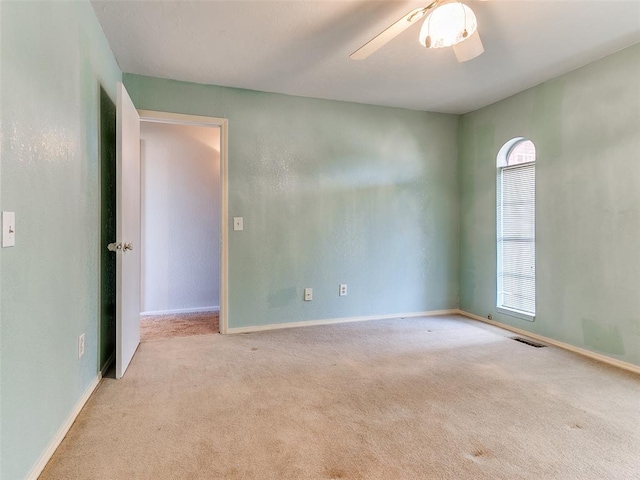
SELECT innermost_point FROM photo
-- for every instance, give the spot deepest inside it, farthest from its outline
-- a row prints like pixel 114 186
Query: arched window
pixel 516 229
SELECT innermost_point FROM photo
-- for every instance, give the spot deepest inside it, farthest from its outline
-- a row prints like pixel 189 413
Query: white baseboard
pixel 331 321
pixel 62 431
pixel 181 310
pixel 581 351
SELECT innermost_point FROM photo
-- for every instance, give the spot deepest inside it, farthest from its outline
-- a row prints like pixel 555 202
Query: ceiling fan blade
pixel 393 31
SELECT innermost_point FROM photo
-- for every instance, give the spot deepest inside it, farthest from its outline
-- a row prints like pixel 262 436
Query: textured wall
pixel 331 193
pixel 54 58
pixel 585 126
pixel 180 217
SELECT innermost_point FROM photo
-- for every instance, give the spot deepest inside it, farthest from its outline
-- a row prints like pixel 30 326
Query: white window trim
pixel 516 313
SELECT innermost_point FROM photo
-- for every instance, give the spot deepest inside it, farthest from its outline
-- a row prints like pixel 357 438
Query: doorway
pixel 218 128
pixel 125 189
pixel 180 229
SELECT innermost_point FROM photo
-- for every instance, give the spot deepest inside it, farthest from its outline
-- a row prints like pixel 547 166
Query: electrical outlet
pixel 343 289
pixel 81 346
pixel 308 294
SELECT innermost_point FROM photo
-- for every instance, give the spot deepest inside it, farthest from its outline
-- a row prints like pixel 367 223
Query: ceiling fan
pixel 448 23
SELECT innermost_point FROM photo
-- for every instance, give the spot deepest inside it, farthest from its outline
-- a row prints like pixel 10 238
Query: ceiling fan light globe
pixel 448 25
pixel 469 49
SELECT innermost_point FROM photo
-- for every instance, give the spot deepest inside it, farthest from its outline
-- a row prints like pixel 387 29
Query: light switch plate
pixel 8 229
pixel 238 223
pixel 308 294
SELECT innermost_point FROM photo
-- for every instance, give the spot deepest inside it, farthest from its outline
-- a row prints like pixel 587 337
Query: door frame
pixel 223 124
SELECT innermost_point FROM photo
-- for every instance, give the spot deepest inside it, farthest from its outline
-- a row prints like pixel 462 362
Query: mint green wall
pixel 54 57
pixel 331 192
pixel 586 128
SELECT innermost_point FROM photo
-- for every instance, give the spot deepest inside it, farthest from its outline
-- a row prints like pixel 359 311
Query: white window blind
pixel 516 238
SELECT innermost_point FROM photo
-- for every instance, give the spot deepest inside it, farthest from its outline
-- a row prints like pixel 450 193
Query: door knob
pixel 128 246
pixel 115 246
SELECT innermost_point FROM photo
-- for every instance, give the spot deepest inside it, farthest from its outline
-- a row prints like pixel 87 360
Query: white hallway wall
pixel 180 217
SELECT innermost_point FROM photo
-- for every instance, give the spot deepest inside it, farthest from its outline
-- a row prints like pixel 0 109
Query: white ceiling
pixel 302 47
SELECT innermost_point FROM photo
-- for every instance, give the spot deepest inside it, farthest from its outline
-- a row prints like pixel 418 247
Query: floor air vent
pixel 528 342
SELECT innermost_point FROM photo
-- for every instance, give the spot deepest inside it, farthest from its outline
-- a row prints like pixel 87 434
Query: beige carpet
pixel 179 325
pixel 430 398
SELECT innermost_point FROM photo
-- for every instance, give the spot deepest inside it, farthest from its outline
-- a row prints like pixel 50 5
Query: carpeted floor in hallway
pixel 153 327
pixel 423 398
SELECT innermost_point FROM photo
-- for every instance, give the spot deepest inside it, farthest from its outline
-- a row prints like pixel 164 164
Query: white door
pixel 127 245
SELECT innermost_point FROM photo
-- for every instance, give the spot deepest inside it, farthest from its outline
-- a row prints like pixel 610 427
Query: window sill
pixel 517 313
